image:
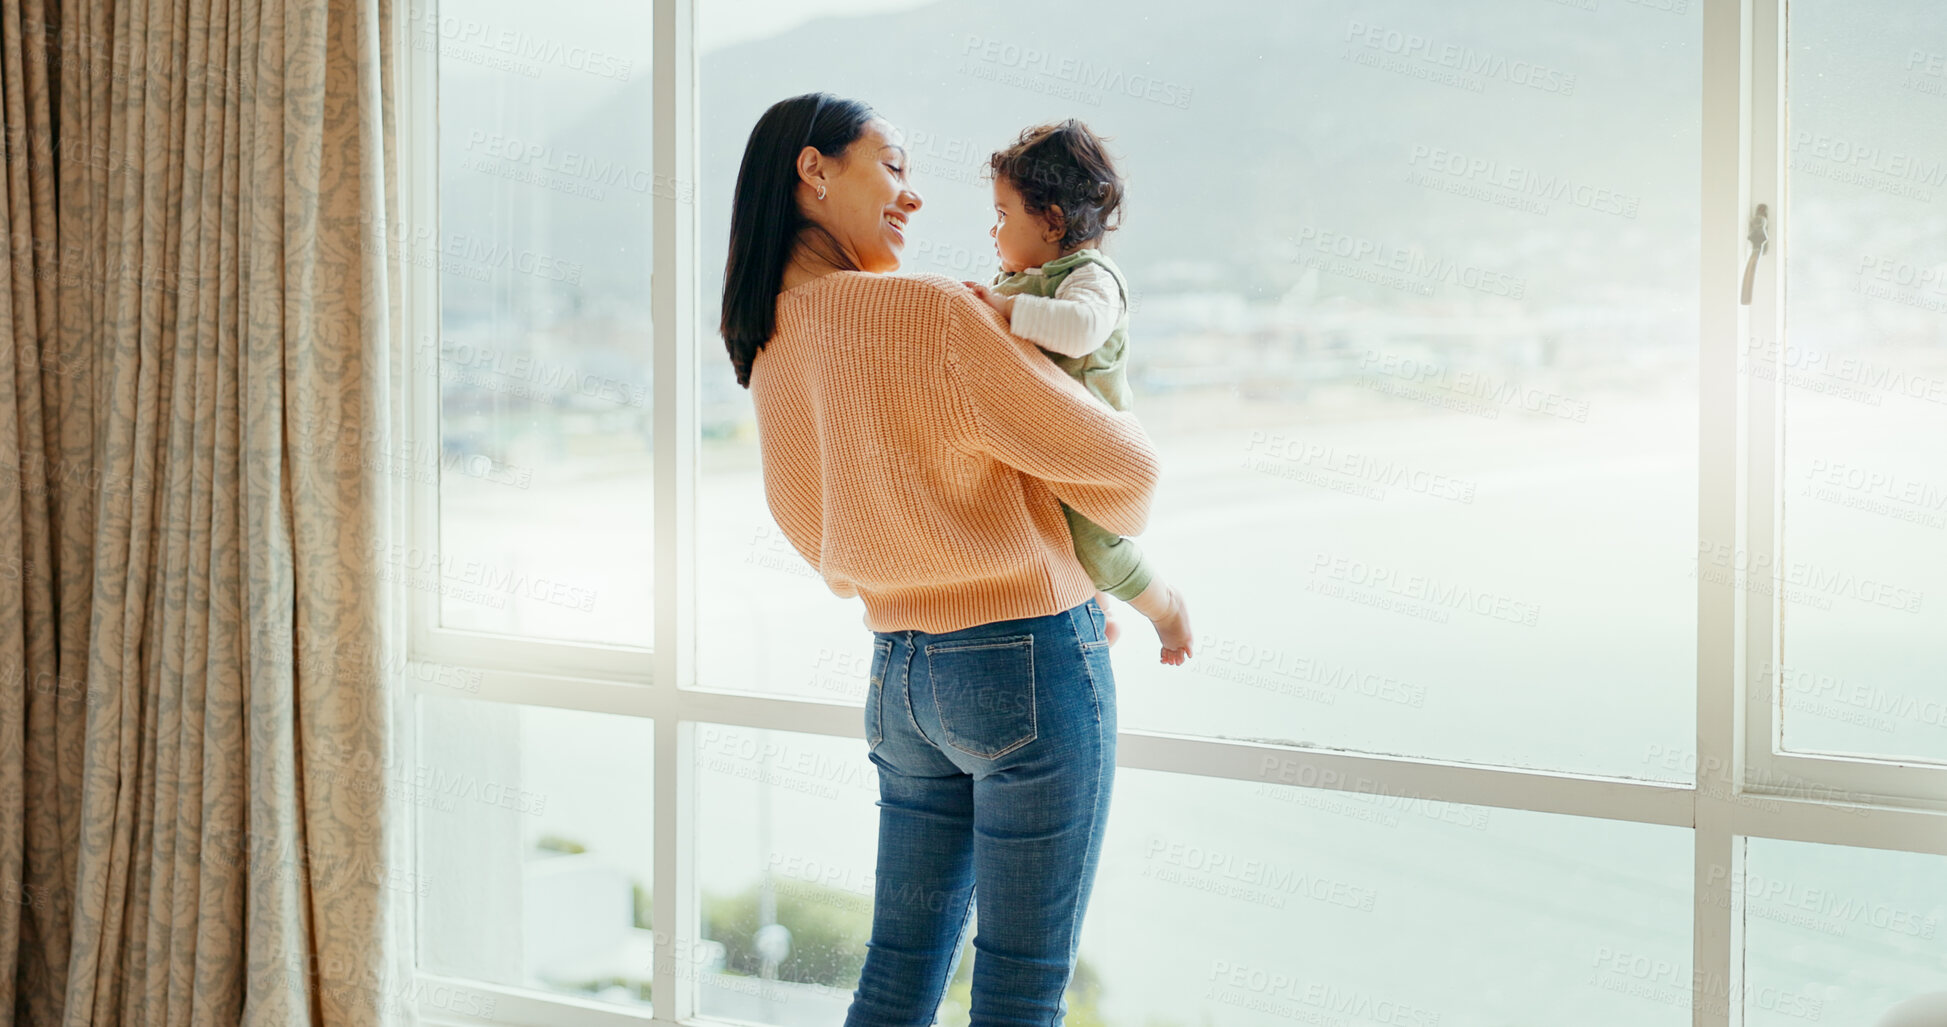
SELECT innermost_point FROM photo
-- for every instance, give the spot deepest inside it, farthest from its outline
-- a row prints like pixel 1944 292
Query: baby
pixel 1054 190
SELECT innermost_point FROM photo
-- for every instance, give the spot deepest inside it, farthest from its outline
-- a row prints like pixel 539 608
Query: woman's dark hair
pixel 1064 165
pixel 765 222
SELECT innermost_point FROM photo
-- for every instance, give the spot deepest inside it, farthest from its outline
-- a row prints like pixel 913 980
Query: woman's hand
pixel 1004 304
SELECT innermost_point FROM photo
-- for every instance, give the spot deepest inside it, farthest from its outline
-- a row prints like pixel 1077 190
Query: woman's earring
pixel 821 192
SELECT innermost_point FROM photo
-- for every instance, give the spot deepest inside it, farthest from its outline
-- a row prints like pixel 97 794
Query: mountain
pixel 1554 144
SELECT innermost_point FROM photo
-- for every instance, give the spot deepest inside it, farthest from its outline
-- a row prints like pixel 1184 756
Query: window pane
pixel 1297 904
pixel 1225 902
pixel 1863 573
pixel 1840 935
pixel 543 247
pixel 535 845
pixel 1414 324
pixel 786 836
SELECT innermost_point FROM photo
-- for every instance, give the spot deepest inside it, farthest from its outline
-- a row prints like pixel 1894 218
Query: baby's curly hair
pixel 1064 164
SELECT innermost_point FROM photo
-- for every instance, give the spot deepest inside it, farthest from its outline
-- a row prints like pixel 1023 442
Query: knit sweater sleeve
pixel 1029 415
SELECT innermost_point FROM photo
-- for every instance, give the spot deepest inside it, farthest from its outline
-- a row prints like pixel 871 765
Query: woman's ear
pixel 812 167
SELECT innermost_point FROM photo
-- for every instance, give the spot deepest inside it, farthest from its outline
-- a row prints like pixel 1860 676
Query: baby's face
pixel 1022 240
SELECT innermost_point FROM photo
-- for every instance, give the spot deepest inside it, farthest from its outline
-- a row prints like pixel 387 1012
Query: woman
pixel 917 454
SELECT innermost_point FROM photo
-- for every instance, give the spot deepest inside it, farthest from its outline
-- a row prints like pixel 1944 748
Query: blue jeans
pixel 996 751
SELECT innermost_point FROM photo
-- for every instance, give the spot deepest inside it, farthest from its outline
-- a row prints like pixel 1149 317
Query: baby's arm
pixel 1076 321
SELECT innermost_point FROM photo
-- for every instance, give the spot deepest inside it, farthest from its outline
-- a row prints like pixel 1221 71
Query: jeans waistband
pixel 1016 626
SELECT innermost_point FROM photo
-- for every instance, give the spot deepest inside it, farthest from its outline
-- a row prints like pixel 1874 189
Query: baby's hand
pixel 1004 304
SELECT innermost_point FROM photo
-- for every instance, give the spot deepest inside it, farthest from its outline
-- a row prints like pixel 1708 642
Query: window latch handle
pixel 1760 235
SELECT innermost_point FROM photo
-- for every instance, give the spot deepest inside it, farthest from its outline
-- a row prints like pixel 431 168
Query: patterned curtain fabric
pixel 197 395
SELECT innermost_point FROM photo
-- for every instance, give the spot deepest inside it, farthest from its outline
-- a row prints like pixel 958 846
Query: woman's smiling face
pixel 868 199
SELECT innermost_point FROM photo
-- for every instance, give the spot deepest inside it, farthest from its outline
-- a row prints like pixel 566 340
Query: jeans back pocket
pixel 983 689
pixel 875 731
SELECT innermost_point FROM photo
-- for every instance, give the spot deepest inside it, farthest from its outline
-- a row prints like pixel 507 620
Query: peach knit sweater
pixel 914 451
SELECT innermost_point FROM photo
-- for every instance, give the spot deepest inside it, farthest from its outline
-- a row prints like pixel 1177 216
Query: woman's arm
pixel 1029 415
pixel 1077 319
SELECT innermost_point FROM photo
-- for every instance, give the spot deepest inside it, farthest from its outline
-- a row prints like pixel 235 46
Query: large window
pixel 1417 331
pixel 1567 615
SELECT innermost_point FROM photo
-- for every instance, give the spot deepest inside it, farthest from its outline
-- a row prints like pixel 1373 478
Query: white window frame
pixel 1907 782
pixel 1867 803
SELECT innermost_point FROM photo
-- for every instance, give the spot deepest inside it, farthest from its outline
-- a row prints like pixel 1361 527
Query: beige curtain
pixel 196 399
